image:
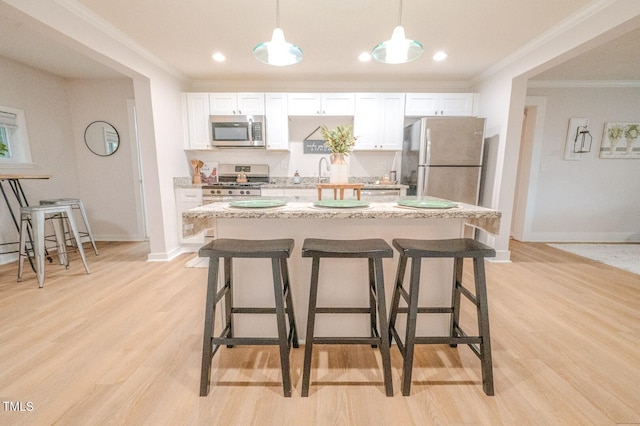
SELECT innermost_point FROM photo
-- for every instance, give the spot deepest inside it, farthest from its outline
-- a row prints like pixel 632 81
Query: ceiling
pixel 476 34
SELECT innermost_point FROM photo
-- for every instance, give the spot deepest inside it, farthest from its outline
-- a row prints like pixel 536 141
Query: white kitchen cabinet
pixel 332 104
pixel 188 198
pixel 379 121
pixel 277 121
pixel 440 104
pixel 196 120
pixel 236 103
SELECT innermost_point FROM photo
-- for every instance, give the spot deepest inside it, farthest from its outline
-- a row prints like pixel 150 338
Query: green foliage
pixel 3 149
pixel 339 140
pixel 632 131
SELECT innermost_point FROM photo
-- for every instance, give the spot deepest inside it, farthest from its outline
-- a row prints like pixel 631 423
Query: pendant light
pixel 277 51
pixel 399 49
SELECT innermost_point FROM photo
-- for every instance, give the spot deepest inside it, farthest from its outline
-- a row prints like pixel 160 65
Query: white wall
pixel 503 90
pixel 157 91
pixel 43 98
pixel 107 185
pixel 591 199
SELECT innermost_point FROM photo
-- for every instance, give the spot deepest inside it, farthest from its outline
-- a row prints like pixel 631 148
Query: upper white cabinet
pixel 196 119
pixel 446 104
pixel 277 121
pixel 236 103
pixel 336 104
pixel 379 120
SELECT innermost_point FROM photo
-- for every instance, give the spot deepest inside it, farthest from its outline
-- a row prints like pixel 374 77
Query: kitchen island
pixel 342 278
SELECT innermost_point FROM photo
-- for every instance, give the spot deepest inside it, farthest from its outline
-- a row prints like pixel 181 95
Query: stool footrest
pixel 346 340
pixel 435 340
pixel 245 341
pixel 428 310
pixel 343 310
pixel 253 310
pixel 468 294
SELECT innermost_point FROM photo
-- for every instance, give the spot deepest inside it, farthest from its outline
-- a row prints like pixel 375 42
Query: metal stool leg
pixel 76 236
pixel 22 252
pixel 87 227
pixel 37 221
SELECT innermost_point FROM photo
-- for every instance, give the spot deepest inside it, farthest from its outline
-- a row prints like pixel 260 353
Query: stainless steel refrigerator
pixel 442 157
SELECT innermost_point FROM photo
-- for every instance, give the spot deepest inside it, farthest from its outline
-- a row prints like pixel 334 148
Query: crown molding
pixel 563 27
pixel 535 84
pixel 118 36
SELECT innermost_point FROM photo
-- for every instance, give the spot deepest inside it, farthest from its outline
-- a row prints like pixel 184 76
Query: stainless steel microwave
pixel 238 131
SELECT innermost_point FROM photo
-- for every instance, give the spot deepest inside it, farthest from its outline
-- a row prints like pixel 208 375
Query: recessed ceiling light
pixel 439 56
pixel 364 57
pixel 218 57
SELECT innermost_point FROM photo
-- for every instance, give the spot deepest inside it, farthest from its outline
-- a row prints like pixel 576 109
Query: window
pixel 14 142
pixel 6 120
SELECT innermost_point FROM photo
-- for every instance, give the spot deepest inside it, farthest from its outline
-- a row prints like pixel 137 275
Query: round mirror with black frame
pixel 101 138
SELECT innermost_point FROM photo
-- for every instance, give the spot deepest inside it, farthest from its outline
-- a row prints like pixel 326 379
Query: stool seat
pixel 458 249
pixel 278 250
pixel 367 248
pixel 228 247
pixel 455 247
pixel 373 250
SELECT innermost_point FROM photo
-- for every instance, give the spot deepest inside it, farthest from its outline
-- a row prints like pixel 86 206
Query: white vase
pixel 339 170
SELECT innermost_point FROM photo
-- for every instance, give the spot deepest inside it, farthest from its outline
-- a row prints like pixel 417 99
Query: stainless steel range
pixel 236 180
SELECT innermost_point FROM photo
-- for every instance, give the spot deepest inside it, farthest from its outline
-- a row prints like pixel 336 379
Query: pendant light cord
pixel 400 14
pixel 277 13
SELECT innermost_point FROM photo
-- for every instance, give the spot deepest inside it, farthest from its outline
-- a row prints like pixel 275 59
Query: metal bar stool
pixel 76 204
pixel 34 217
pixel 276 250
pixel 373 250
pixel 458 249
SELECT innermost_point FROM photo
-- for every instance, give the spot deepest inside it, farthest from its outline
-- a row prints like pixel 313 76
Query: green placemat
pixel 428 204
pixel 257 203
pixel 341 204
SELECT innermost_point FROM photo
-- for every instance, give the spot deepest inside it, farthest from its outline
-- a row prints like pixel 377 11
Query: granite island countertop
pixel 201 218
pixel 287 183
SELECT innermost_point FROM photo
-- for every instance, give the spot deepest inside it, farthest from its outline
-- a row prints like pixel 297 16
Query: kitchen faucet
pixel 320 168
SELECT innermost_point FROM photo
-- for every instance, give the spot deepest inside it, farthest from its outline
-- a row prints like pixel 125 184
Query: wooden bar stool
pixel 458 249
pixel 33 217
pixel 276 250
pixel 374 250
pixel 76 204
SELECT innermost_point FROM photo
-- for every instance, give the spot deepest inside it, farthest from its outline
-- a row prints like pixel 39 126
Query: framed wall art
pixel 620 140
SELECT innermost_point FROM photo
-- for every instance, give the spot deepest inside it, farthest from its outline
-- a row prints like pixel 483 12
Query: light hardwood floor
pixel 122 346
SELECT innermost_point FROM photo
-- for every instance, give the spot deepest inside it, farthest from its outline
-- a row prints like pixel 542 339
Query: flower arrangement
pixel 614 133
pixel 632 131
pixel 339 140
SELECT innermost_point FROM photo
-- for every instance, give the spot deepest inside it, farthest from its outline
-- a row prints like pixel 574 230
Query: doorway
pixel 528 167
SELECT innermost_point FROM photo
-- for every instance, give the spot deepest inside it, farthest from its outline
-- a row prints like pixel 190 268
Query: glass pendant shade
pixel 397 50
pixel 277 51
